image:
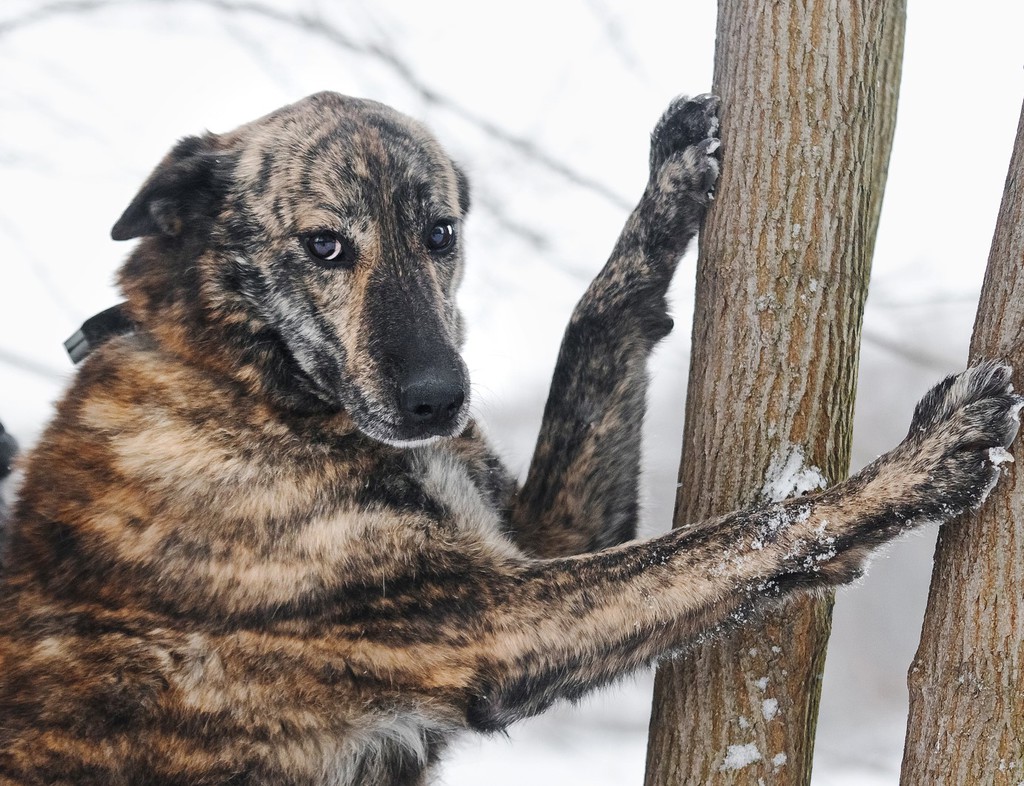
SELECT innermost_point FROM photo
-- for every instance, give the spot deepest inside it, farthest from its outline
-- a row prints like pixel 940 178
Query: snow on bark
pixel 789 476
pixel 739 756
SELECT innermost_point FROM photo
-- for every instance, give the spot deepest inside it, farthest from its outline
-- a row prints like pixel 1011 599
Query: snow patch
pixel 788 476
pixel 999 456
pixel 739 756
pixel 996 456
pixel 769 708
pixel 779 759
pixel 762 683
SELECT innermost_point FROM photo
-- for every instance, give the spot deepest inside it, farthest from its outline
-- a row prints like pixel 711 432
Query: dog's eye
pixel 328 247
pixel 441 236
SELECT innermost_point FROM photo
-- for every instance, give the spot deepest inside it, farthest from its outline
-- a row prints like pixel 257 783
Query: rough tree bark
pixel 810 92
pixel 967 681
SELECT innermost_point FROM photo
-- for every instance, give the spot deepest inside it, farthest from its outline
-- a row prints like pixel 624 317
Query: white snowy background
pixel 548 105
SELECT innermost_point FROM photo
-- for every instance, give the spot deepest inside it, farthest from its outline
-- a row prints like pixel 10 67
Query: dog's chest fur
pixel 231 555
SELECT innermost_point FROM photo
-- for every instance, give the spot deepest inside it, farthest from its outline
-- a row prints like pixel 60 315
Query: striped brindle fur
pixel 262 541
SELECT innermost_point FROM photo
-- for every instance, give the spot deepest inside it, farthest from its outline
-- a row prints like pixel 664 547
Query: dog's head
pixel 314 255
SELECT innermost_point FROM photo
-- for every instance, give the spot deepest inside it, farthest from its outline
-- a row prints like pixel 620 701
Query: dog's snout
pixel 432 397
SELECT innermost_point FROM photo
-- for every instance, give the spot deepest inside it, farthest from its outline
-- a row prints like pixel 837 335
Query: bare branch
pixel 538 241
pixel 914 355
pixel 613 32
pixel 33 367
pixel 38 269
pixel 880 301
pixel 318 25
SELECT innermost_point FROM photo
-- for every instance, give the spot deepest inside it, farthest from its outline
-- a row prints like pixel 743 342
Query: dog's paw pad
pixel 693 172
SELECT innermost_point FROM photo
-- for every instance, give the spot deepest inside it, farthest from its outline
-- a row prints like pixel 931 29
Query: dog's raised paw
pixel 685 123
pixel 679 191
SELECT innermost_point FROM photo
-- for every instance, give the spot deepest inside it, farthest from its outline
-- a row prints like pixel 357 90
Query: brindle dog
pixel 262 542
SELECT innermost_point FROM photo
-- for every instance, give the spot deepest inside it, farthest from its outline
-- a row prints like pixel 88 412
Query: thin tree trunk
pixel 967 684
pixel 809 92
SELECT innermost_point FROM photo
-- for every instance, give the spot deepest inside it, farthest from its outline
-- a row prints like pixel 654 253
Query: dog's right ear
pixel 184 191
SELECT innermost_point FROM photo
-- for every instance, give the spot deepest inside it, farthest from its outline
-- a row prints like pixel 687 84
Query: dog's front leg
pixel 581 491
pixel 502 637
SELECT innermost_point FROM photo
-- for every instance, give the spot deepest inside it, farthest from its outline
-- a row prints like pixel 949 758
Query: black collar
pixel 97 330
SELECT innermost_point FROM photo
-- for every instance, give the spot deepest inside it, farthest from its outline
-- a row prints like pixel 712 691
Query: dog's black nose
pixel 432 397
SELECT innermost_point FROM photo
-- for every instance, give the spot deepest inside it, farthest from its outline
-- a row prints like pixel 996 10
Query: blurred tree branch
pixel 612 29
pixel 322 27
pixel 905 351
pixel 32 367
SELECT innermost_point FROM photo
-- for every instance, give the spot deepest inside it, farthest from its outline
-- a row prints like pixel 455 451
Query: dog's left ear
pixel 183 192
pixel 463 182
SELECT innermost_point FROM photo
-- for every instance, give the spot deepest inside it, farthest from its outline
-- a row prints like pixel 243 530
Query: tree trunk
pixel 809 92
pixel 966 683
